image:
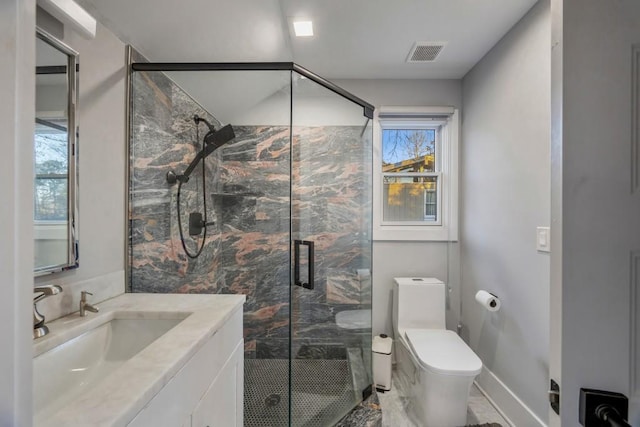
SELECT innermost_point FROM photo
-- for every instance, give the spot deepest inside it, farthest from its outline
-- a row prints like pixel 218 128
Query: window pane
pixel 409 198
pixel 50 147
pixel 408 150
pixel 50 198
pixel 51 168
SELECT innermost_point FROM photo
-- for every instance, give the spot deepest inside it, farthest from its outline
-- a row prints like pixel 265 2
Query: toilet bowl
pixel 437 363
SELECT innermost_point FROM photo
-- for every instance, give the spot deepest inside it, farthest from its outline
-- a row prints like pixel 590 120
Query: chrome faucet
pixel 39 328
pixel 85 306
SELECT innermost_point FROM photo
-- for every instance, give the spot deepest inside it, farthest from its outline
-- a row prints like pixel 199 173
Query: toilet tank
pixel 418 302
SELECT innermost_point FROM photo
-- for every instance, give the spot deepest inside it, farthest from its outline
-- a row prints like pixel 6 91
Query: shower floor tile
pixel 323 392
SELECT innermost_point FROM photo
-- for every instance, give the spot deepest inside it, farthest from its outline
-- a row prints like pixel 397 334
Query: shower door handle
pixel 310 265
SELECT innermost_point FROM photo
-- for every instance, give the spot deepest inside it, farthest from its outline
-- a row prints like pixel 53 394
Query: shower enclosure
pixel 287 203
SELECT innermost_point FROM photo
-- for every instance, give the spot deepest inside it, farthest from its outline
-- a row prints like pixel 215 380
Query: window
pixel 51 172
pixel 415 187
pixel 410 175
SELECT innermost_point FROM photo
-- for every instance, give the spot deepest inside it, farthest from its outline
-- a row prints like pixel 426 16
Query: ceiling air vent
pixel 425 51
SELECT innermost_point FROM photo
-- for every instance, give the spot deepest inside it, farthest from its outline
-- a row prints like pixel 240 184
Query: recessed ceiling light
pixel 303 28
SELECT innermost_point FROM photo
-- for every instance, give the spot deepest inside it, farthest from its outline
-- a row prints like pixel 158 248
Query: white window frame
pixel 446 120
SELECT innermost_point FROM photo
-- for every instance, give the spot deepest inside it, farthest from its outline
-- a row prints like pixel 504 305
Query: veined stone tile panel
pixel 343 286
pixel 248 199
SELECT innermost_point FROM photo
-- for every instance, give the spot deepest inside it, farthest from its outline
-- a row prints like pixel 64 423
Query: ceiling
pixel 368 39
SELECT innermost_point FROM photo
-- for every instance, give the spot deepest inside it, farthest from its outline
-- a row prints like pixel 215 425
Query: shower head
pixel 213 140
pixel 219 137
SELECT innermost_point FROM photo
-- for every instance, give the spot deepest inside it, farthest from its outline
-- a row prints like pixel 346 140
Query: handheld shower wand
pixel 213 140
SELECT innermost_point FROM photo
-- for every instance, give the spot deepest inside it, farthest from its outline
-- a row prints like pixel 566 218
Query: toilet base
pixel 436 400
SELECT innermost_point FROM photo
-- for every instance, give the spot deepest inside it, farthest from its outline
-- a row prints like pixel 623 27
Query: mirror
pixel 54 204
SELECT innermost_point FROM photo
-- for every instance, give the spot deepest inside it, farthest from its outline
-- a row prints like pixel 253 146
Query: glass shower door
pixel 330 315
pixel 288 208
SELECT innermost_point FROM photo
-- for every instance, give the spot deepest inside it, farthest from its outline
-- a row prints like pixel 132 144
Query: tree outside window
pixel 51 169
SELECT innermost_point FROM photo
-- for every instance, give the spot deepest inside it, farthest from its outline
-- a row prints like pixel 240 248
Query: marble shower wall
pixel 249 198
pixel 253 209
pixel 332 207
pixel 163 139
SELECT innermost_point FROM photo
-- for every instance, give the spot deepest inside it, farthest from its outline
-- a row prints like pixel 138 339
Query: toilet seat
pixel 443 352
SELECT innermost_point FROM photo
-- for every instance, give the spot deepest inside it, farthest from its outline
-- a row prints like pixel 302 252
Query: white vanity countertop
pixel 124 393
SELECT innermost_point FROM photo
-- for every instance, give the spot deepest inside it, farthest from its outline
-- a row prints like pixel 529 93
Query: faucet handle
pixel 45 291
pixel 85 306
pixel 48 289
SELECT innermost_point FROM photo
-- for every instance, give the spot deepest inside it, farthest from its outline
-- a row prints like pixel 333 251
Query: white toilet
pixel 438 364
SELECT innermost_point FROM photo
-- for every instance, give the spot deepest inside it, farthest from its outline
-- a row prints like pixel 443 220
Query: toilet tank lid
pixel 417 280
pixel 443 352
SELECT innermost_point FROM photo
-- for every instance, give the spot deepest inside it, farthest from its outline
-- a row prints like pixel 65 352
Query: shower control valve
pixel 196 223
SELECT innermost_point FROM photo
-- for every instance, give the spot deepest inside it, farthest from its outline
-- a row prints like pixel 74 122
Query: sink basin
pixel 67 371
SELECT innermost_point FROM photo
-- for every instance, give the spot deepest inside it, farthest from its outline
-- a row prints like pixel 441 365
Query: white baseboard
pixel 512 409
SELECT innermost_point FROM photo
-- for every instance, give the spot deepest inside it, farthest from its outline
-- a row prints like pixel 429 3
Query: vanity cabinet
pixel 208 390
pixel 222 404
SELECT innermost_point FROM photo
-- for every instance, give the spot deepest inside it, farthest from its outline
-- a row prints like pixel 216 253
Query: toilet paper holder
pixel 488 300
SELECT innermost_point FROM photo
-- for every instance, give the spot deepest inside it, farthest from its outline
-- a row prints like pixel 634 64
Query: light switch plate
pixel 543 239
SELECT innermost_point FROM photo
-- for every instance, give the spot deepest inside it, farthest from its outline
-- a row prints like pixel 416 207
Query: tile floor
pixel 322 388
pixel 394 403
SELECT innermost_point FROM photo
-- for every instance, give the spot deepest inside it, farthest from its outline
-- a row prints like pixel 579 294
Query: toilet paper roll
pixel 488 300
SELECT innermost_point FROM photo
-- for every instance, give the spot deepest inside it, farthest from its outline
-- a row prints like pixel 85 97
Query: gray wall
pixel 17 109
pixel 101 187
pixel 396 259
pixel 101 166
pixel 597 199
pixel 417 92
pixel 505 180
